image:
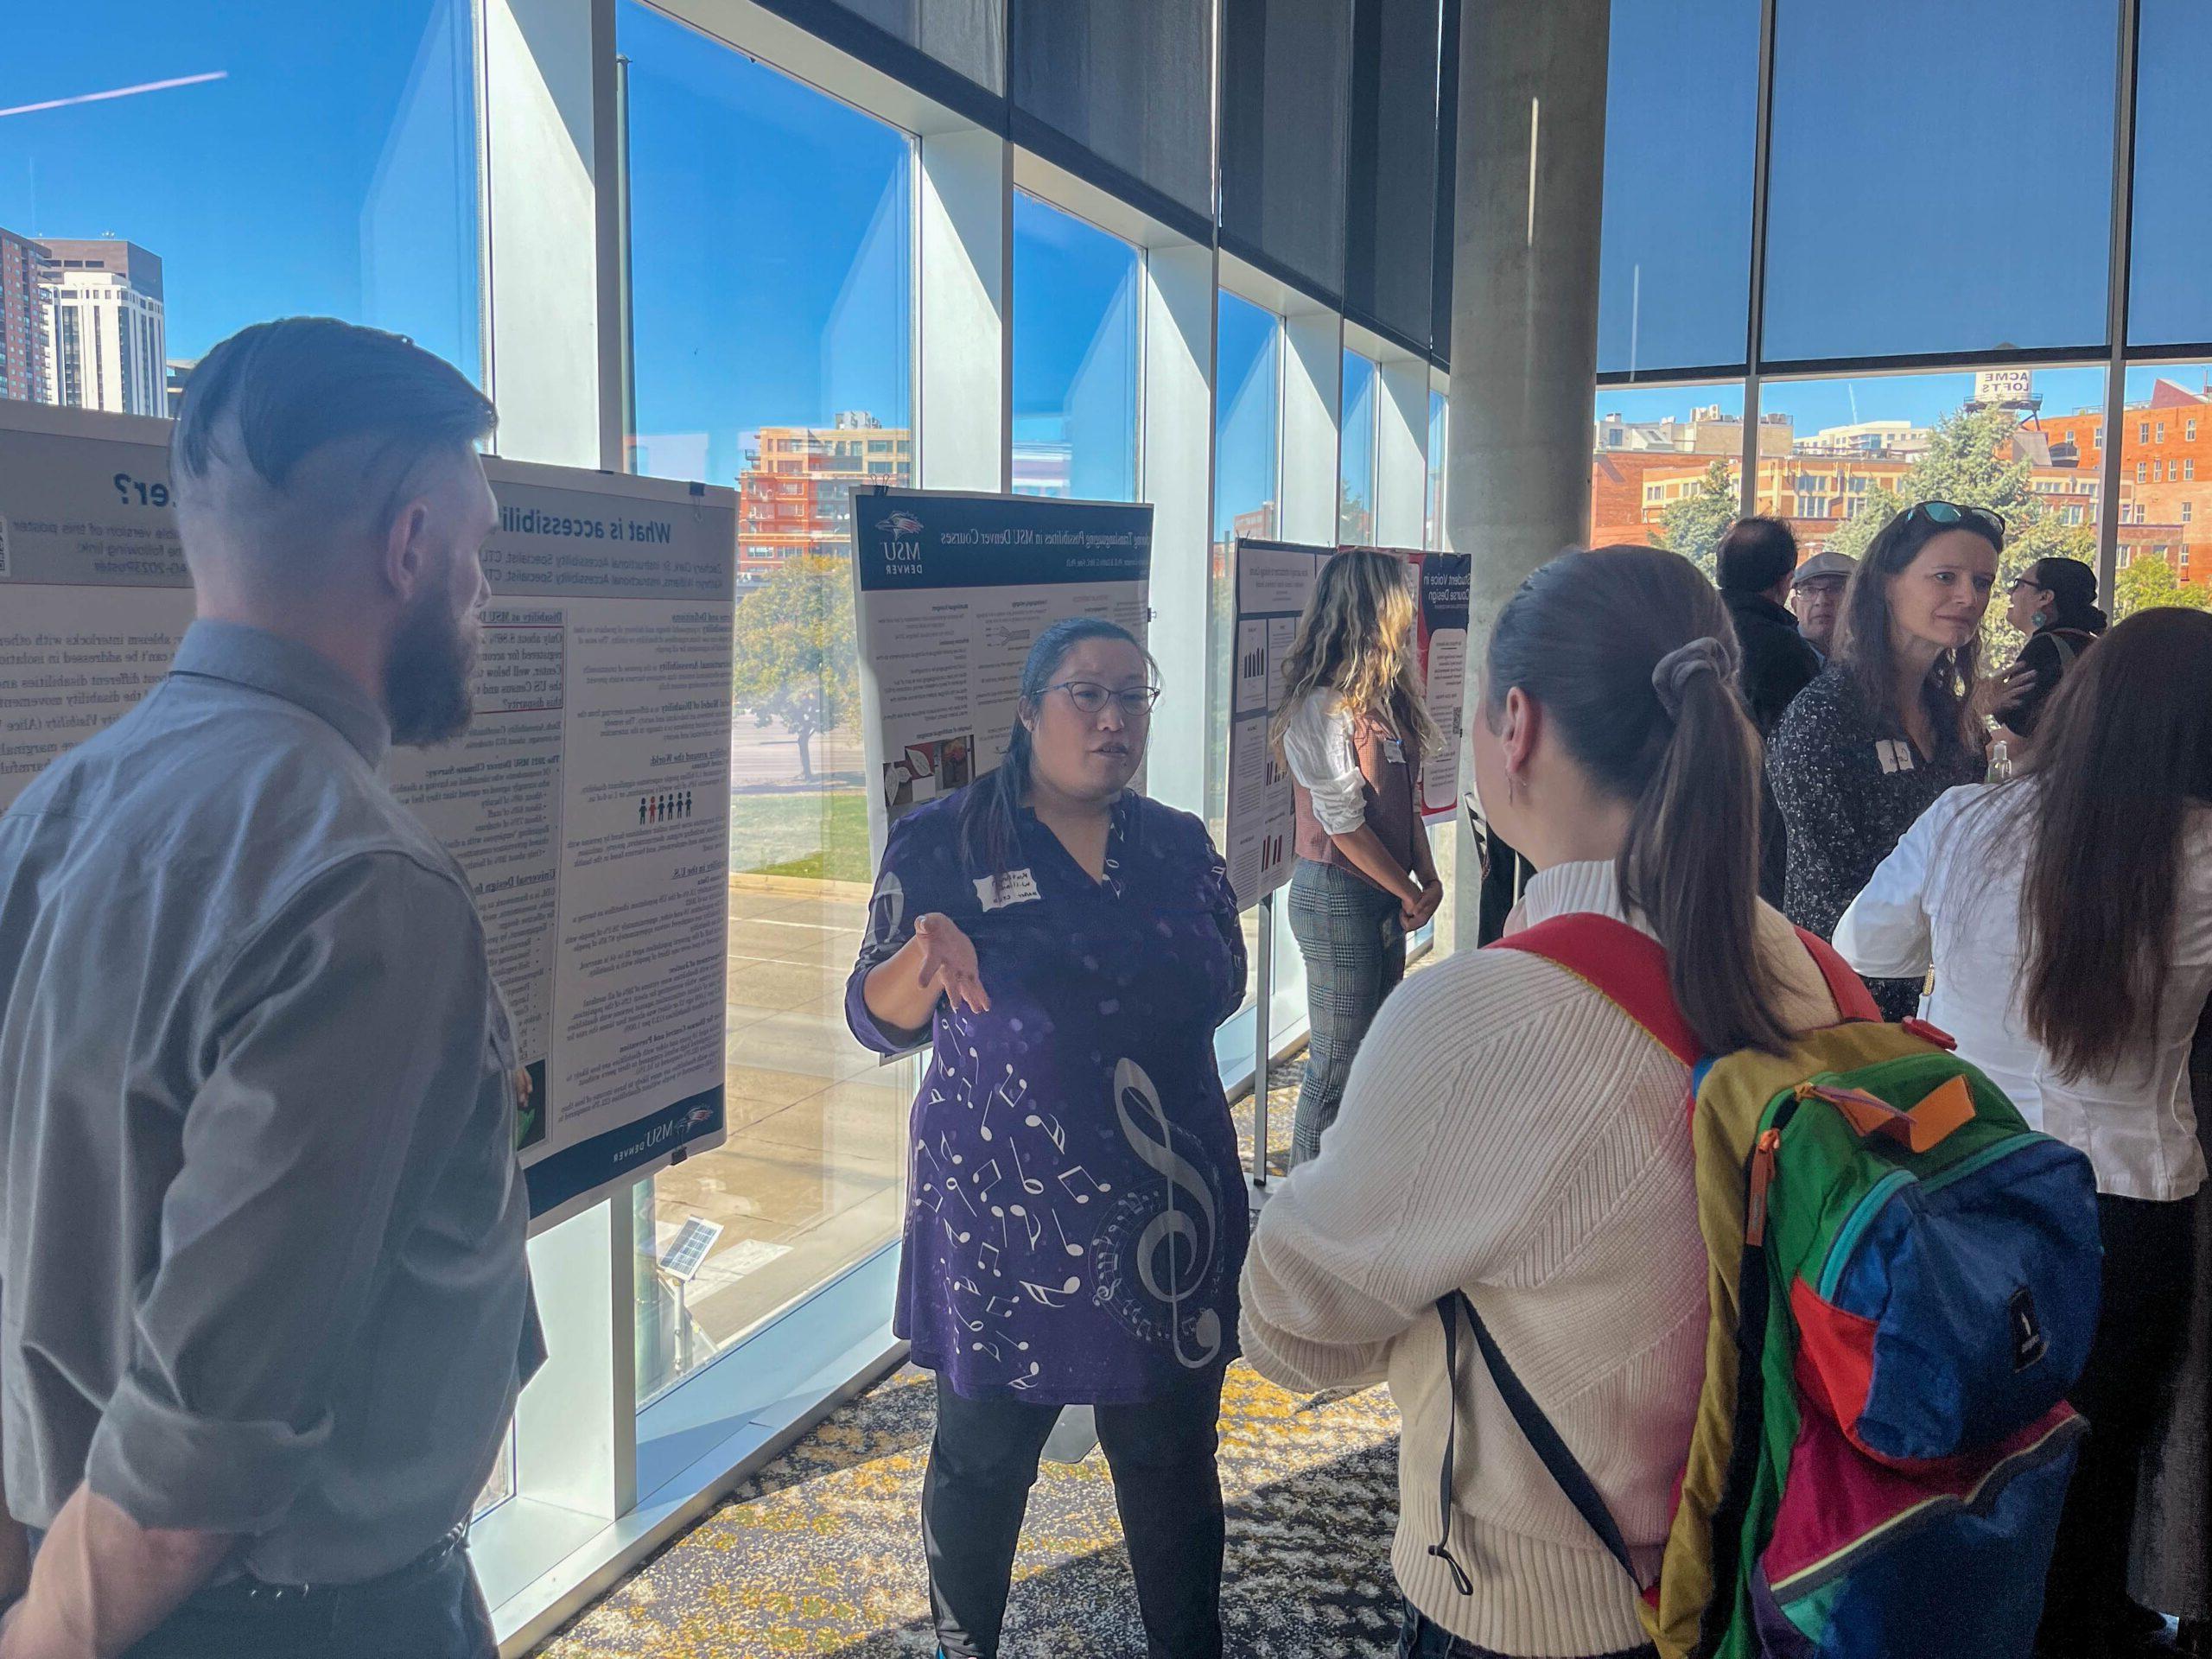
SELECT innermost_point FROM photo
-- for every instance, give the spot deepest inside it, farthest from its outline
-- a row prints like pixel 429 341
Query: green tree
pixel 1963 464
pixel 796 652
pixel 1693 526
pixel 2147 580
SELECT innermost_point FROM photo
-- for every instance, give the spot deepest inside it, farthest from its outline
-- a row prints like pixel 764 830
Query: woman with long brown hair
pixel 2082 890
pixel 1891 722
pixel 1513 1134
pixel 1352 728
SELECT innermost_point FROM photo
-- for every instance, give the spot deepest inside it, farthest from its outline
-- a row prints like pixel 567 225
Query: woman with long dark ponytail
pixel 2068 916
pixel 1077 1214
pixel 1512 1132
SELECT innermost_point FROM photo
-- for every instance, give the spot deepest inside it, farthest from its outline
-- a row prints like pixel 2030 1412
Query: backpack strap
pixel 1627 967
pixel 1564 1467
pixel 1852 1000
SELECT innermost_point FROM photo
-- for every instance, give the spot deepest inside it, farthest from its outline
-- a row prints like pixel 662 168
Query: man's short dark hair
pixel 296 385
pixel 1756 554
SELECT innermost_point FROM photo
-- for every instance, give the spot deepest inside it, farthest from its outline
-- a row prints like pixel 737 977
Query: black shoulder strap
pixel 1572 1479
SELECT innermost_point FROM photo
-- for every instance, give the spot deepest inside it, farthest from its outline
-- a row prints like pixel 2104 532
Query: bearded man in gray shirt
pixel 264 1304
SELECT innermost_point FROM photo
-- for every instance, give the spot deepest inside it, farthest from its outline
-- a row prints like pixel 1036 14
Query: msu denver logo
pixel 901 523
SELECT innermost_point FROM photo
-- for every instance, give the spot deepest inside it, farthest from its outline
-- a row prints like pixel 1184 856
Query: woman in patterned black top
pixel 1891 722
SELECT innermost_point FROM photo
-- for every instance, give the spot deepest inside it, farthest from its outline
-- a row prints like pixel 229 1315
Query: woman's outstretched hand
pixel 949 963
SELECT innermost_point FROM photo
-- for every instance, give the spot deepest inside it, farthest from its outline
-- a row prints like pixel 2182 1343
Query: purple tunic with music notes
pixel 1077 1216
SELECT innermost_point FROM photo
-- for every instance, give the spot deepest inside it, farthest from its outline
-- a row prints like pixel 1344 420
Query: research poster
pixel 1443 579
pixel 951 590
pixel 588 803
pixel 1274 581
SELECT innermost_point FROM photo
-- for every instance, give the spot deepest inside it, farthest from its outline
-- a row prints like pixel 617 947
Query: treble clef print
pixel 1144 1125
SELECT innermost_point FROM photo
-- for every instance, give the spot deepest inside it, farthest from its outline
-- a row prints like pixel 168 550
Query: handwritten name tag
pixel 1015 887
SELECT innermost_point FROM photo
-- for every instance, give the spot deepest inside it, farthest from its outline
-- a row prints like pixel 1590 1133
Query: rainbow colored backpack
pixel 1903 1282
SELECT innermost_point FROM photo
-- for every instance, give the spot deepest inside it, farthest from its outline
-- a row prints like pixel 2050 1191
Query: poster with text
pixel 1443 579
pixel 1274 581
pixel 951 591
pixel 587 803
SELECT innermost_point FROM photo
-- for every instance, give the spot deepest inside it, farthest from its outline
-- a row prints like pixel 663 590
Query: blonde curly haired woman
pixel 1352 727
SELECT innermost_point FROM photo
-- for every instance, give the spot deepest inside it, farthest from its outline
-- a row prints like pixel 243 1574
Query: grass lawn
pixel 821 835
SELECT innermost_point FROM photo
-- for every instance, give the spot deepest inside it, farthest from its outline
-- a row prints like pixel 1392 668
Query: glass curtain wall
pixel 771 259
pixel 1355 455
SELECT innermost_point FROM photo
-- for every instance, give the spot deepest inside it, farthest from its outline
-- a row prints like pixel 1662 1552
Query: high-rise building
pixel 107 339
pixel 796 496
pixel 22 323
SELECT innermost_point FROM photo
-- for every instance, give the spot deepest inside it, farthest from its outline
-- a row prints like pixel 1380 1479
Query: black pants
pixel 983 1463
pixel 2149 1262
pixel 432 1611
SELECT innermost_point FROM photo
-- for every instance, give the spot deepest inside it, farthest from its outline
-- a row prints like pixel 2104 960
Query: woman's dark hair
pixel 989 817
pixel 2123 750
pixel 1866 647
pixel 2073 584
pixel 1583 638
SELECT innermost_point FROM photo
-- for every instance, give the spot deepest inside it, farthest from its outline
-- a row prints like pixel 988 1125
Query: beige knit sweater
pixel 1509 1131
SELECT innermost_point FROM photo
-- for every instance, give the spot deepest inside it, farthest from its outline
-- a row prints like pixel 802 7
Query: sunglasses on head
pixel 1953 516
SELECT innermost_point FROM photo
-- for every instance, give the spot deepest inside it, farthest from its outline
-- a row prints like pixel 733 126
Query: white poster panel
pixel 1274 581
pixel 588 803
pixel 951 591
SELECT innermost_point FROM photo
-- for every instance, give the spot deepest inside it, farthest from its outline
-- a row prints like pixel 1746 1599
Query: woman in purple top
pixel 1077 1216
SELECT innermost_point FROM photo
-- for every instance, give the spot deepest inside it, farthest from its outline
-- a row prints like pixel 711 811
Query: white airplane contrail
pixel 120 91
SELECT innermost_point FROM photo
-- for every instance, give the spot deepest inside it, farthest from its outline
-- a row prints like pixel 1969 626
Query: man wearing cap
pixel 1816 598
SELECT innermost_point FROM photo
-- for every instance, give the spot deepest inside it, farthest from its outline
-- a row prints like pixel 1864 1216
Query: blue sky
pixel 274 190
pixel 773 226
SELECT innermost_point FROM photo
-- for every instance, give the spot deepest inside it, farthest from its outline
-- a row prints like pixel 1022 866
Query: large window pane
pixel 772 286
pixel 2166 488
pixel 1248 461
pixel 1909 208
pixel 1682 128
pixel 1356 482
pixel 2168 299
pixel 1667 464
pixel 1859 449
pixel 1075 357
pixel 178 172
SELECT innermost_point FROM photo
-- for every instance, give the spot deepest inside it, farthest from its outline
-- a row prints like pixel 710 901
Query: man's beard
pixel 426 675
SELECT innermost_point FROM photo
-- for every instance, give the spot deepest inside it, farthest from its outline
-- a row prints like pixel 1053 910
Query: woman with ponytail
pixel 1509 1132
pixel 1076 1213
pixel 2054 602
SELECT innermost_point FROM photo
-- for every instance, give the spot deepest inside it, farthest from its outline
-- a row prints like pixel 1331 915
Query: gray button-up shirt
pixel 261 1228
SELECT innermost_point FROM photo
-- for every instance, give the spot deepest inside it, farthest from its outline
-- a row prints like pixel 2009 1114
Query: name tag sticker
pixel 1396 749
pixel 1894 754
pixel 1015 887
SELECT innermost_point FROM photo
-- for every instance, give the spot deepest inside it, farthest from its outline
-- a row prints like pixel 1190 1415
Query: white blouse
pixel 1950 898
pixel 1317 744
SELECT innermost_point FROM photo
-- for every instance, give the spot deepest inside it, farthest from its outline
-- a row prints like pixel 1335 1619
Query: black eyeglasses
pixel 1953 516
pixel 1091 697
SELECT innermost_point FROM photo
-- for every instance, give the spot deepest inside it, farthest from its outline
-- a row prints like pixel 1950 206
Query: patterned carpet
pixel 820 1553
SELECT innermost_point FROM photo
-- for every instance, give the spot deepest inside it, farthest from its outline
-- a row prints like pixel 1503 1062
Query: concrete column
pixel 1524 301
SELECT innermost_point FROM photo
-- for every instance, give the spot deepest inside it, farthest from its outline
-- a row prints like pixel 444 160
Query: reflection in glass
pixel 1075 357
pixel 1682 118
pixel 772 286
pixel 178 173
pixel 1912 100
pixel 1356 436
